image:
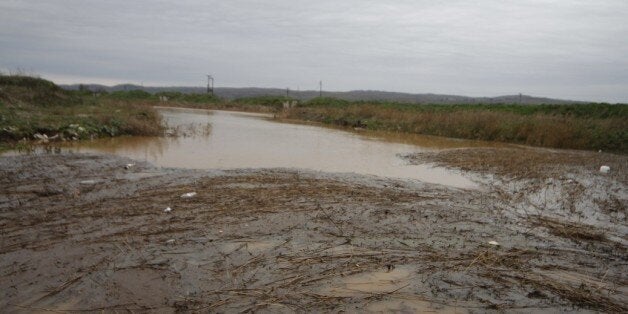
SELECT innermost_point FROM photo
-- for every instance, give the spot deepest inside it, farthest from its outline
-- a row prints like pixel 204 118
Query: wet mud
pixel 82 233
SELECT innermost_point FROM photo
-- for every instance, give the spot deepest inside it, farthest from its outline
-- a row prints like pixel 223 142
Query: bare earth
pixel 82 233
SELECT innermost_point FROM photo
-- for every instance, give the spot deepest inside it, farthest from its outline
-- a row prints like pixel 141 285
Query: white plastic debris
pixel 605 169
pixel 129 166
pixel 42 138
pixel 493 243
pixel 188 195
pixel 170 241
pixel 38 136
pixel 167 210
pixel 88 182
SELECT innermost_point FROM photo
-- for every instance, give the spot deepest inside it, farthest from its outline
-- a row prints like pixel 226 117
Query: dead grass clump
pixel 581 295
pixel 515 259
pixel 570 230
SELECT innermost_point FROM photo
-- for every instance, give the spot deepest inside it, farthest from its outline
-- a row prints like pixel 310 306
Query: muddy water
pixel 228 140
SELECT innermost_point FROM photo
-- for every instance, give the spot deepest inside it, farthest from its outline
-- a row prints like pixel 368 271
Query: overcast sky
pixel 564 49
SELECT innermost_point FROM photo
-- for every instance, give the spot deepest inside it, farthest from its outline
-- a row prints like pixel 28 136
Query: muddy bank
pixel 81 232
pixel 557 184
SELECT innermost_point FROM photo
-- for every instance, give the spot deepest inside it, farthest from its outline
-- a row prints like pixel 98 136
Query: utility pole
pixel 519 98
pixel 320 88
pixel 287 91
pixel 210 84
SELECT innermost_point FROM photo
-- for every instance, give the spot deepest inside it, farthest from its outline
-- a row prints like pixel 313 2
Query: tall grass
pixel 597 126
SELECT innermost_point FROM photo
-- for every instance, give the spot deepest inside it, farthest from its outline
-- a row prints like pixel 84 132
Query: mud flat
pixel 82 233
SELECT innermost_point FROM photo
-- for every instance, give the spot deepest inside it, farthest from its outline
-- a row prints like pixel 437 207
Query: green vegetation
pixel 191 98
pixel 205 101
pixel 30 106
pixel 578 126
pixel 269 103
pixel 130 95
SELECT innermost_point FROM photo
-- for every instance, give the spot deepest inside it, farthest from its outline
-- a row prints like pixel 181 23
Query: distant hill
pixel 366 95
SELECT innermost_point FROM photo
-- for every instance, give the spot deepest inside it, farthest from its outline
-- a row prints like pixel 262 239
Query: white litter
pixel 493 243
pixel 40 136
pixel 87 182
pixel 43 138
pixel 188 195
pixel 167 210
pixel 605 169
pixel 170 241
pixel 129 166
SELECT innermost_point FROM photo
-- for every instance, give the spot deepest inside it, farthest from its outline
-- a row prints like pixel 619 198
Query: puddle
pixel 381 281
pixel 232 140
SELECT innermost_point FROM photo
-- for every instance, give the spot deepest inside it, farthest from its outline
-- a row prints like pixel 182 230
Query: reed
pixel 554 126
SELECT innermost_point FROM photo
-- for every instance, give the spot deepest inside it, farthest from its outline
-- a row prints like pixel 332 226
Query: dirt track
pixel 80 232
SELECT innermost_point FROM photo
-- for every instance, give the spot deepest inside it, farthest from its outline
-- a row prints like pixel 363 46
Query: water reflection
pixel 243 140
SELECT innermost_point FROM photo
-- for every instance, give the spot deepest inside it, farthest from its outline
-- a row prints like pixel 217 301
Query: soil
pixel 83 233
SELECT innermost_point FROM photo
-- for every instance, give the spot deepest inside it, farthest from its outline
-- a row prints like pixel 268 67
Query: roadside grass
pixel 31 105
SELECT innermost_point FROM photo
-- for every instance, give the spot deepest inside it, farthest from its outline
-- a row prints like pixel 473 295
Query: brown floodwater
pixel 209 139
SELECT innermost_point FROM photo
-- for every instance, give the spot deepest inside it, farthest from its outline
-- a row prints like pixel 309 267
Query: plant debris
pixel 295 241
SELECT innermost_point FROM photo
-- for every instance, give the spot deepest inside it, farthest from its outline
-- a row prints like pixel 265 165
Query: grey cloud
pixel 566 49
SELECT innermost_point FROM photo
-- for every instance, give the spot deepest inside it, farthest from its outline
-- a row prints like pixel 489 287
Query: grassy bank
pixel 592 126
pixel 32 107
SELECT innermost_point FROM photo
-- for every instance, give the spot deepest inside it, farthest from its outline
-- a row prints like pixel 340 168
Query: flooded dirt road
pixel 231 140
pixel 82 233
